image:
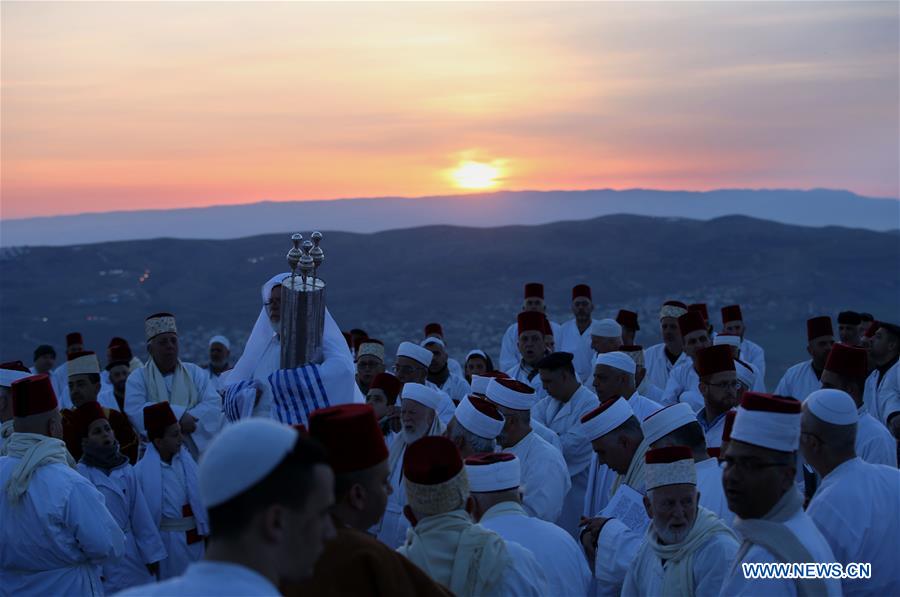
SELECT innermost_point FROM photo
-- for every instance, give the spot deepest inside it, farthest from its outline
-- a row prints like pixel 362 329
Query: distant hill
pixel 818 207
pixel 392 283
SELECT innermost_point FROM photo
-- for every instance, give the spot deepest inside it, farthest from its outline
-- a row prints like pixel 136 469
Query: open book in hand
pixel 627 506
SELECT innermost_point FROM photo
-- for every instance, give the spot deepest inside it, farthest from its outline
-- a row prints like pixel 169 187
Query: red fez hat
pixel 849 318
pixel 15 366
pixel 848 361
pixel 484 407
pixel 388 384
pixel 434 328
pixel 531 321
pixel 714 452
pixel 301 429
pixel 351 436
pixel 431 460
pixel 597 411
pixel 33 395
pixel 729 424
pixel 486 458
pixel 818 327
pixel 668 455
pixel 495 374
pixel 628 319
pixel 348 339
pixel 731 313
pixel 581 290
pixel 545 327
pixel 74 338
pixel 701 309
pixel 691 321
pixel 713 359
pixel 119 354
pixel 514 385
pixel 117 341
pixel 534 289
pixel 770 403
pixel 157 418
pixel 870 331
pixel 86 414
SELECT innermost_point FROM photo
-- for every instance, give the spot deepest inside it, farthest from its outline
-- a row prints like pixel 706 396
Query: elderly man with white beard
pixel 411 366
pixel 418 416
pixel 687 548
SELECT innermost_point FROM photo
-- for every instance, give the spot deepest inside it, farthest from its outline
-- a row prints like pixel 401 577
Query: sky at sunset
pixel 111 106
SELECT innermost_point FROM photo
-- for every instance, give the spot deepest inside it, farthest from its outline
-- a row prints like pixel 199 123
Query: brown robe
pixel 355 563
pixel 122 429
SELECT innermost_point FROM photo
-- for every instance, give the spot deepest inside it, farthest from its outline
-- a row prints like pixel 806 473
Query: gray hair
pixel 479 444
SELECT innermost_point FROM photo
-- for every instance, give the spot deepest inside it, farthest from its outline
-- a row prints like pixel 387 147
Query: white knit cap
pixel 241 456
pixel 617 360
pixel 598 423
pixel 672 465
pixel 494 476
pixel 82 365
pixel 745 374
pixel 415 352
pixel 421 394
pixel 833 406
pixel 606 328
pixel 509 397
pixel 762 422
pixel 478 422
pixel 666 420
pixel 433 340
pixel 221 340
pixel 729 339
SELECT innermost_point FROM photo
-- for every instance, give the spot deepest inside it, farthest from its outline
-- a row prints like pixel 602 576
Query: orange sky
pixel 109 106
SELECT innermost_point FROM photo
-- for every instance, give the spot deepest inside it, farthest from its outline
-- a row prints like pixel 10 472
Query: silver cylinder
pixel 302 321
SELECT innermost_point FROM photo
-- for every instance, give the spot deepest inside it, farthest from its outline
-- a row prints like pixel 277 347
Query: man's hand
pixel 590 533
pixel 188 423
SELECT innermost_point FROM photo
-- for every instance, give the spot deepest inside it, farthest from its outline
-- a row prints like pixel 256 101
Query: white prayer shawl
pixel 855 508
pixel 149 472
pixel 6 430
pixel 545 477
pixel 509 348
pixel 456 387
pixel 882 397
pixel 126 503
pixel 205 407
pixel 712 494
pixel 557 552
pixel 522 372
pixel 799 381
pixel 54 539
pixel 579 344
pixel 210 578
pixel 32 451
pixel 471 560
pixel 874 443
pixel 694 568
pixel 752 353
pixel 658 366
pixel 683 385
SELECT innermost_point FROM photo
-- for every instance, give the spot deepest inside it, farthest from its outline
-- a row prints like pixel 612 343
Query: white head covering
pixel 260 337
pixel 606 328
pixel 228 468
pixel 496 476
pixel 833 406
pixel 766 428
pixel 673 472
pixel 8 376
pixel 415 352
pixel 476 421
pixel 433 340
pixel 221 340
pixel 84 364
pixel 607 420
pixel 508 397
pixel 476 353
pixel 728 339
pixel 421 394
pixel 617 360
pixel 667 420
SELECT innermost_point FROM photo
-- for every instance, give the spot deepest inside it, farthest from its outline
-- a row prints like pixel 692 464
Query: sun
pixel 475 175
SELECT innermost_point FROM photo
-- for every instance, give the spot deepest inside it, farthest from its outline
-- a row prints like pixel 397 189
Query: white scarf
pixel 464 557
pixel 678 579
pixel 183 391
pixel 149 474
pixel 634 476
pixel 35 451
pixel 6 430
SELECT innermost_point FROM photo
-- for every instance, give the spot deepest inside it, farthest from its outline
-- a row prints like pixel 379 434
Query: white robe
pixel 617 546
pixel 712 431
pixel 856 509
pixel 545 477
pixel 546 434
pixel 874 443
pixel 208 411
pixel 455 387
pixel 455 368
pixel 107 398
pixel 658 366
pixel 206 578
pixel 752 353
pixel 882 397
pixel 573 341
pixel 712 494
pixel 509 348
pixel 521 372
pixel 564 419
pixel 557 552
pixel 802 526
pixel 55 539
pixel 799 381
pixel 683 384
pixel 127 505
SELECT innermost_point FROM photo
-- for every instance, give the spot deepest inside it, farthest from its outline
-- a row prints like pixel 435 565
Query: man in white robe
pixel 661 358
pixel 733 323
pixel 759 480
pixel 439 372
pixel 883 385
pixel 369 362
pixel 533 348
pixel 55 531
pixel 510 350
pixel 60 376
pixel 683 383
pixel 802 379
pixel 494 483
pixel 9 372
pixel 687 549
pixel 575 334
pixel 545 476
pixel 718 384
pixel 606 336
pixel 166 378
pixel 435 330
pixel 630 327
pixel 219 353
pixel 411 366
pixel 254 546
pixel 444 542
pixel 643 385
pixel 855 507
pixel 566 402
pixel 118 368
pixel 754 380
pixel 849 324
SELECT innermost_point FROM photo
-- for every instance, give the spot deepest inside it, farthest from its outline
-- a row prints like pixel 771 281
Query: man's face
pixel 367 367
pixel 735 328
pixel 100 434
pixel 555 383
pixel 834 381
pixel 674 510
pixel 608 382
pixel 82 389
pixel 218 354
pixel 755 478
pixel 44 363
pixel 438 358
pixel 476 366
pixel 849 333
pixel 273 307
pixel 164 350
pixel 531 346
pixel 409 370
pixel 118 376
pixel 170 443
pixel 720 390
pixel 309 528
pixel 415 418
pixel 695 341
pixel 378 488
pixel 533 303
pixel 603 344
pixel 671 334
pixel 614 451
pixel 883 347
pixel 377 399
pixel 582 307
pixel 818 349
pixel 628 336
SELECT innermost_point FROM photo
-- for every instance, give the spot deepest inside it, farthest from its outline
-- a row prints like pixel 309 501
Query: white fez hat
pixel 421 394
pixel 241 456
pixel 493 472
pixel 616 360
pixel 433 340
pixel 729 339
pixel 220 340
pixel 606 328
pixel 768 422
pixel 479 384
pixel 745 374
pixel 673 465
pixel 509 397
pixel 605 418
pixel 85 364
pixel 415 352
pixel 833 406
pixel 666 420
pixel 479 423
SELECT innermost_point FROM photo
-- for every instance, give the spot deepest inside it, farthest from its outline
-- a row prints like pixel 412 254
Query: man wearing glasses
pixel 719 387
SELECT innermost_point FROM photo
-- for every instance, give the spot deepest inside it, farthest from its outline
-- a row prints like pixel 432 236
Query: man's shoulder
pixel 797 368
pixel 653 350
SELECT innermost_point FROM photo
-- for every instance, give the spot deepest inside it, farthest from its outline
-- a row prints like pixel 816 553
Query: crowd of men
pixel 579 464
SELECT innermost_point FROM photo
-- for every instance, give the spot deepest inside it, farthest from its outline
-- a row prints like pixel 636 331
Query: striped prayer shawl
pixel 297 393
